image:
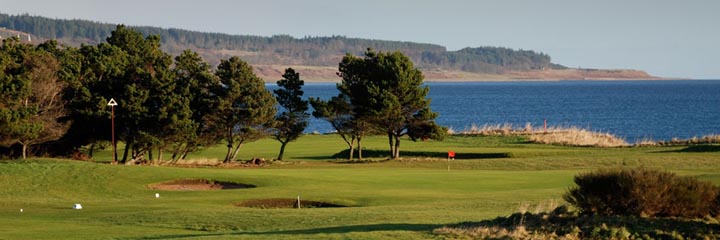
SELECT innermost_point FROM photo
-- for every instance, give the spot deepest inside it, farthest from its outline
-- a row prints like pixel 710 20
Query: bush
pixel 644 193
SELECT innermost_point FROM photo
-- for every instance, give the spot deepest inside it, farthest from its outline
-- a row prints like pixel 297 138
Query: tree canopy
pixel 246 108
pixel 31 109
pixel 385 90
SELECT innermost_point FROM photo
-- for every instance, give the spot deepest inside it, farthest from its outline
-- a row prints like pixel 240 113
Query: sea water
pixel 634 110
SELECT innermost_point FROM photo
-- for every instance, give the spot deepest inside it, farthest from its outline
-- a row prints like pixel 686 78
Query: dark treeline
pixel 54 100
pixel 286 50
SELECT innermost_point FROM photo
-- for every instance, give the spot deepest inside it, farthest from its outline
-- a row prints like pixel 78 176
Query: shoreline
pixel 328 74
pixel 325 81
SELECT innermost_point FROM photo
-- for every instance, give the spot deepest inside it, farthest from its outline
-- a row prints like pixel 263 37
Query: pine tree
pixel 385 90
pixel 246 108
pixel 143 92
pixel 31 107
pixel 290 123
pixel 89 73
pixel 195 81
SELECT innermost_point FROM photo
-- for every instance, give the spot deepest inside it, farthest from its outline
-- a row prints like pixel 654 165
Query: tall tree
pixel 14 86
pixel 88 74
pixel 385 90
pixel 142 92
pixel 292 121
pixel 195 81
pixel 246 108
pixel 32 106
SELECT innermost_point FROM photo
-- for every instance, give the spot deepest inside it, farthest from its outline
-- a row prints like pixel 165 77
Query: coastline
pixel 327 74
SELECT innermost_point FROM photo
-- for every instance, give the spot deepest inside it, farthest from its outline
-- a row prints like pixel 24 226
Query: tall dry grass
pixel 195 162
pixel 707 139
pixel 504 129
pixel 558 135
pixel 574 136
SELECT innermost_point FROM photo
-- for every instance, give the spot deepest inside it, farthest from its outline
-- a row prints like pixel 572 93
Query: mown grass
pixel 403 199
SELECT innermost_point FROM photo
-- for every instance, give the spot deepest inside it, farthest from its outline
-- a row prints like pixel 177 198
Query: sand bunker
pixel 285 203
pixel 197 185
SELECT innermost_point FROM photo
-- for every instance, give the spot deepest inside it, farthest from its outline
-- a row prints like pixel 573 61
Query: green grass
pixel 393 199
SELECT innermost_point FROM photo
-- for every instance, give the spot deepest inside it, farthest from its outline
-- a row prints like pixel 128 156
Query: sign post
pixel 112 105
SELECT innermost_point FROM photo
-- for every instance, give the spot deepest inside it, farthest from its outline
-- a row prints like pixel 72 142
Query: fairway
pixel 403 199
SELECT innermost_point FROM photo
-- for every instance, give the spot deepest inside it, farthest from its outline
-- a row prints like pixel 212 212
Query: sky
pixel 665 38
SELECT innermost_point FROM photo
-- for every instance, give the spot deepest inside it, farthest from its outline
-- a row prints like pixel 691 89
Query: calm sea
pixel 634 110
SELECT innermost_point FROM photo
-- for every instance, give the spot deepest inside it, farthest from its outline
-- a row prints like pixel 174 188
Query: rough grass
pixel 561 224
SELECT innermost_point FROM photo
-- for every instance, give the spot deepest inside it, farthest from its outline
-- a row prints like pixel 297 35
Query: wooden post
pixel 112 105
pixel 112 123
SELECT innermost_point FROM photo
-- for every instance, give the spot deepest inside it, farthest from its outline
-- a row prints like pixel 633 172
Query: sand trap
pixel 197 185
pixel 285 203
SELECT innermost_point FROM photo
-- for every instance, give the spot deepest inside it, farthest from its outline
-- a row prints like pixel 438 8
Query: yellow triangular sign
pixel 112 102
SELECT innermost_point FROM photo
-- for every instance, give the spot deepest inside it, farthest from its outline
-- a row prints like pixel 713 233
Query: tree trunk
pixel 128 145
pixel 392 146
pixel 229 151
pixel 92 150
pixel 24 150
pixel 359 144
pixel 397 147
pixel 229 148
pixel 185 153
pixel 160 155
pixel 350 143
pixel 237 149
pixel 282 150
pixel 231 142
pixel 176 153
pixel 351 153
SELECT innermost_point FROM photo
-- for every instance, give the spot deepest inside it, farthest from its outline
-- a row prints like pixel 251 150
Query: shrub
pixel 642 192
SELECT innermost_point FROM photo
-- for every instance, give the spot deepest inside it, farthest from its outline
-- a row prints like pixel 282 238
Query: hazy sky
pixel 666 38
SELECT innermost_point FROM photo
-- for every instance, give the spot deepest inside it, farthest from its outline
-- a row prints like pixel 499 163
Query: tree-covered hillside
pixel 286 50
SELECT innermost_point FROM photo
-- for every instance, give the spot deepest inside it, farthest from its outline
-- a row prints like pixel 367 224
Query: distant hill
pixel 316 56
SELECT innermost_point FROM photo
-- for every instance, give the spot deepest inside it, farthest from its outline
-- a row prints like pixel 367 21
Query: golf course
pixel 404 198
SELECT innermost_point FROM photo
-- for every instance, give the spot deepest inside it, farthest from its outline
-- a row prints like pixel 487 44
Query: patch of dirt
pixel 197 184
pixel 285 203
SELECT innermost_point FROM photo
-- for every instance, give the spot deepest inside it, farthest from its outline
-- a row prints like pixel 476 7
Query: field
pixel 399 199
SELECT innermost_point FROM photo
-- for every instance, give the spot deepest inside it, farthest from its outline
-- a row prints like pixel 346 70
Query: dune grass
pixel 574 136
pixel 403 199
pixel 556 135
